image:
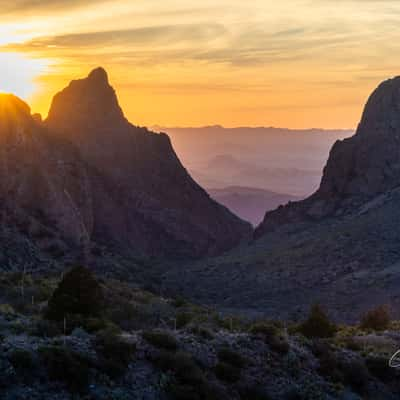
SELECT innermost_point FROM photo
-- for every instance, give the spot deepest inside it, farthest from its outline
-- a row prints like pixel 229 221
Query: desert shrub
pixel 161 340
pixel 179 302
pixel 231 357
pixel 177 391
pixel 253 393
pixel 22 361
pixel 78 293
pixel 113 352
pixel 183 318
pixel 125 315
pixel 379 367
pixel 6 309
pixel 181 364
pixel 202 332
pixel 356 375
pixel 273 334
pixel 329 364
pixel 317 324
pixel 377 319
pixel 66 366
pixel 227 373
pixel 44 328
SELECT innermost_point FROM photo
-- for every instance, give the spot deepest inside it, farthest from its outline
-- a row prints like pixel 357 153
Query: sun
pixel 18 74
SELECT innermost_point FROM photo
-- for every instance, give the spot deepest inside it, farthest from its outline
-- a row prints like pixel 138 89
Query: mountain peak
pixel 359 168
pixel 98 75
pixel 86 103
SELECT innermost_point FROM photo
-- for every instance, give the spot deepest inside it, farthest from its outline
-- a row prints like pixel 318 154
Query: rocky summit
pixel 86 178
pixel 358 170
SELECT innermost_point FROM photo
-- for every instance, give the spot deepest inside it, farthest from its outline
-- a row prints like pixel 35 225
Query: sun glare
pixel 18 74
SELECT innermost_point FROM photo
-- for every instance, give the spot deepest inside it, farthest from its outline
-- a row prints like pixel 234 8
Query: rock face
pixel 359 168
pixel 90 177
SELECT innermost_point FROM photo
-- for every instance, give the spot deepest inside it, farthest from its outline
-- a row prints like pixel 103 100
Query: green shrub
pixel 22 361
pixel 183 318
pixel 318 324
pixel 356 375
pixel 231 357
pixel 227 373
pixel 377 319
pixel 66 366
pixel 182 365
pixel 78 293
pixel 379 367
pixel 273 334
pixel 113 352
pixel 178 391
pixel 45 329
pixel 161 340
pixel 253 393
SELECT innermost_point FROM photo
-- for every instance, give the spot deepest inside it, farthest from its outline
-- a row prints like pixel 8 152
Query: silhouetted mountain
pixel 249 203
pixel 358 169
pixel 86 177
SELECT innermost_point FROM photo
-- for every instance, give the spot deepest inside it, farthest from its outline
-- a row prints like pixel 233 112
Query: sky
pixel 287 63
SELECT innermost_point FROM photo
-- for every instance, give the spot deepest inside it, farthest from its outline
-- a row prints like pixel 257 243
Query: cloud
pixel 30 6
pixel 158 35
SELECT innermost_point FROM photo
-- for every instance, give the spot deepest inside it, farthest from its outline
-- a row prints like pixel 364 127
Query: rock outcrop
pixel 89 177
pixel 358 169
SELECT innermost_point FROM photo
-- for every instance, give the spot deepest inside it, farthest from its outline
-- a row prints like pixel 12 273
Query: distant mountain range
pixel 275 159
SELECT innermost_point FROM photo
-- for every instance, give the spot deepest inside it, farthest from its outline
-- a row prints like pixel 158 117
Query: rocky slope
pixel 358 169
pixel 86 177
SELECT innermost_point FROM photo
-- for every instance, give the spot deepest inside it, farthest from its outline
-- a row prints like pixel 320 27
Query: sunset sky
pixel 287 63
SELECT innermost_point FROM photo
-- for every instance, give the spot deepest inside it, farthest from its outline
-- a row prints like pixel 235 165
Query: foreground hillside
pixel 141 346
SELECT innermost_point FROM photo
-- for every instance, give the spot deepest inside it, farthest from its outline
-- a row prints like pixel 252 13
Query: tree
pixel 77 293
pixel 317 324
pixel 377 319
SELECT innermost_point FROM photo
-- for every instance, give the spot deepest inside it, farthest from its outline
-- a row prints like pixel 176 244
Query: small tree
pixel 318 324
pixel 77 293
pixel 377 319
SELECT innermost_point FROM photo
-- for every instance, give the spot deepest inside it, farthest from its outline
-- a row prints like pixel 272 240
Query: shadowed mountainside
pixel 87 178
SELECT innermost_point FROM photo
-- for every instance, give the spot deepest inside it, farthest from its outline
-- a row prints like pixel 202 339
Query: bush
pixel 356 375
pixel 273 334
pixel 377 319
pixel 45 329
pixel 22 361
pixel 253 393
pixel 318 324
pixel 114 353
pixel 78 293
pixel 227 373
pixel 183 318
pixel 231 357
pixel 379 367
pixel 182 365
pixel 66 366
pixel 161 340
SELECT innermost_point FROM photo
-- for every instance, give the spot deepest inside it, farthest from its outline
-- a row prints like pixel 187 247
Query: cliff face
pixel 358 169
pixel 91 177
